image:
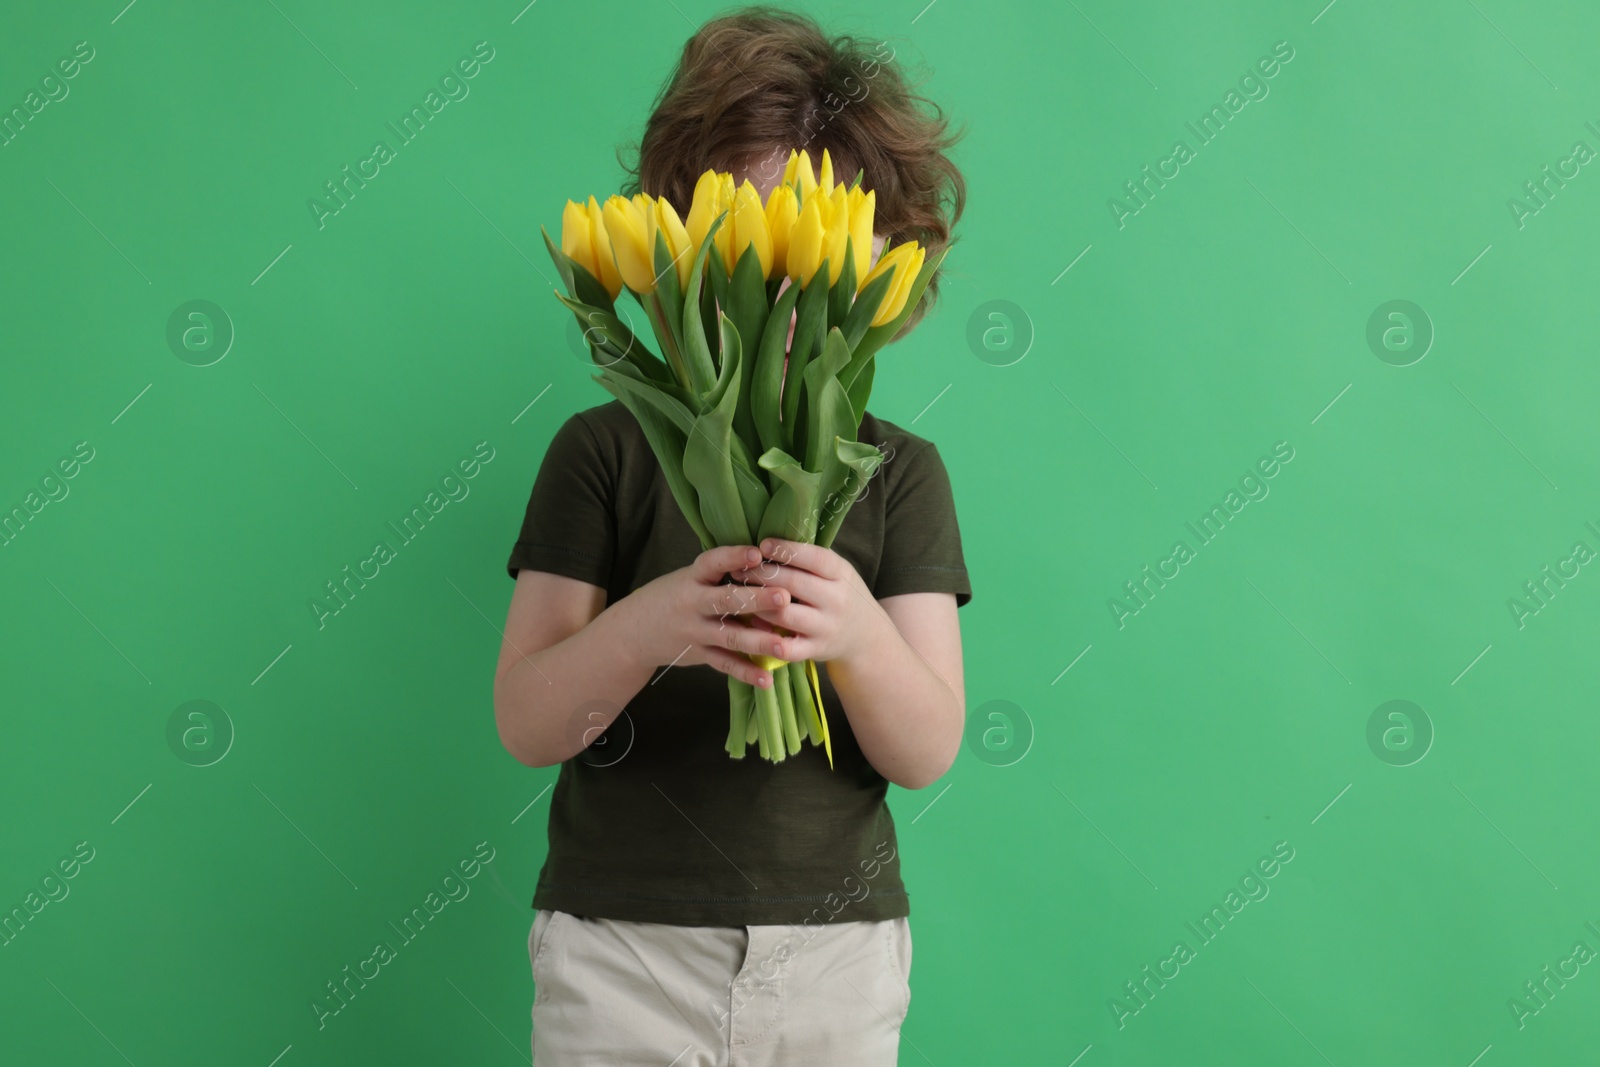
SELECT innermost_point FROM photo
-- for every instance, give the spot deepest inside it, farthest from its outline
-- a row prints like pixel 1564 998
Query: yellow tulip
pixel 678 246
pixel 628 225
pixel 836 222
pixel 825 182
pixel 591 249
pixel 609 276
pixel 713 194
pixel 805 242
pixel 907 260
pixel 782 211
pixel 576 240
pixel 749 222
pixel 824 226
pixel 862 208
pixel 798 173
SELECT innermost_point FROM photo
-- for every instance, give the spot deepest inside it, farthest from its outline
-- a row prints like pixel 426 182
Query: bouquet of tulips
pixel 755 441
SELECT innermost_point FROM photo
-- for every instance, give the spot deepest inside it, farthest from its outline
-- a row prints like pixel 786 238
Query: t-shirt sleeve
pixel 921 540
pixel 570 527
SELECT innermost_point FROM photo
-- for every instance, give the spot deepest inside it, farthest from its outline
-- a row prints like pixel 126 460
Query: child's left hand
pixel 831 613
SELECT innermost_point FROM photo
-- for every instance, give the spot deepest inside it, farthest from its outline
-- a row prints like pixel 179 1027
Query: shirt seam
pixel 895 491
pixel 560 548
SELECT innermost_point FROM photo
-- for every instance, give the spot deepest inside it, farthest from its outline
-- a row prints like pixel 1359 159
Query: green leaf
pixel 674 402
pixel 793 512
pixel 767 379
pixel 696 351
pixel 856 182
pixel 707 461
pixel 860 461
pixel 843 290
pixel 564 263
pixel 861 389
pixel 753 494
pixel 827 404
pixel 809 328
pixel 829 417
pixel 669 292
pixel 669 445
pixel 605 331
pixel 748 309
pixel 717 274
pixel 579 282
pixel 865 308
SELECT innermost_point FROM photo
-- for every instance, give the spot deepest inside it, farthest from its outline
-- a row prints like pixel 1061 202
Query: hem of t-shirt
pixel 557 559
pixel 925 578
pixel 888 902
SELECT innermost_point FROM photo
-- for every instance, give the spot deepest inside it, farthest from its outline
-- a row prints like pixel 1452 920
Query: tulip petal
pixel 605 262
pixel 805 243
pixel 750 227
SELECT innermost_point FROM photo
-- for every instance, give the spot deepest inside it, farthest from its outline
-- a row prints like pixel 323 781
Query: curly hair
pixel 761 80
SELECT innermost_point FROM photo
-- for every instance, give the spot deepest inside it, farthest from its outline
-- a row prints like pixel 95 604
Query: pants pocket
pixel 898 932
pixel 539 947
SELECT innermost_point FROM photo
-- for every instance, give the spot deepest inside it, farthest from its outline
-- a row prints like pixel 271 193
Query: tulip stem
pixel 785 692
pixel 741 698
pixel 658 319
pixel 771 736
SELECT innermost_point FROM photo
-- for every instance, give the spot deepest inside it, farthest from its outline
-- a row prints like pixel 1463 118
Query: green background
pixel 1231 713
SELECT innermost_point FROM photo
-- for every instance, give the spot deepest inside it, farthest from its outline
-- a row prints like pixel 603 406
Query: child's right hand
pixel 689 617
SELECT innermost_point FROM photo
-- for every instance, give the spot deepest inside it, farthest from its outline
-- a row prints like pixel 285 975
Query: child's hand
pixel 690 616
pixel 832 614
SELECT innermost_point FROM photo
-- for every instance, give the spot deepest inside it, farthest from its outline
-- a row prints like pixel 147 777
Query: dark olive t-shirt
pixel 655 822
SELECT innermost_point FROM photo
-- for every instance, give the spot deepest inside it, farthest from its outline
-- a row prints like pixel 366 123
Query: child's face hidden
pixel 765 174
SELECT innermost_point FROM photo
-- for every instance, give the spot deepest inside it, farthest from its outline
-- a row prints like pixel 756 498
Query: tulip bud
pixel 836 223
pixel 749 222
pixel 805 243
pixel 628 226
pixel 705 207
pixel 825 182
pixel 578 242
pixel 782 211
pixel 605 264
pixel 862 209
pixel 678 246
pixel 800 175
pixel 906 260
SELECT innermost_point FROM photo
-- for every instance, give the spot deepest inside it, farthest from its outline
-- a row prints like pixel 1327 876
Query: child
pixel 696 909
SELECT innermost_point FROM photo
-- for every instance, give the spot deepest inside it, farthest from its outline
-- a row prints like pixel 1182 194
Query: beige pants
pixel 629 994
